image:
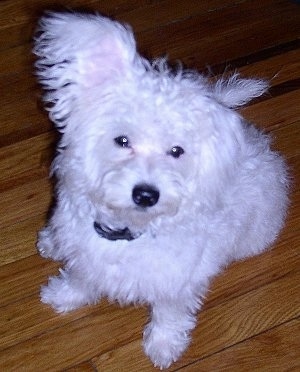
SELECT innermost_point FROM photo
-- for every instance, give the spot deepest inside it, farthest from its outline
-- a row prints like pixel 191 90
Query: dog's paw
pixel 45 244
pixel 164 346
pixel 61 295
pixel 47 247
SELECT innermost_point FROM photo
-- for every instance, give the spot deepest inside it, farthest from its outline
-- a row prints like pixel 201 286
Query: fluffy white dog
pixel 160 183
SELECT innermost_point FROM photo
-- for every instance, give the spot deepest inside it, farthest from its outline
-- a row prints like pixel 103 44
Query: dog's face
pixel 139 152
pixel 139 142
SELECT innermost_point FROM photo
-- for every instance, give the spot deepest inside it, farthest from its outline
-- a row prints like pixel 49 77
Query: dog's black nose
pixel 145 195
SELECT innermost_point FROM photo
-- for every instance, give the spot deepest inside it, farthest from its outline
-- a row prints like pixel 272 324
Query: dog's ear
pixel 79 51
pixel 235 91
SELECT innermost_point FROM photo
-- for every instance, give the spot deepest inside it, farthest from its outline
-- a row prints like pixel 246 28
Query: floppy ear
pixel 79 51
pixel 236 91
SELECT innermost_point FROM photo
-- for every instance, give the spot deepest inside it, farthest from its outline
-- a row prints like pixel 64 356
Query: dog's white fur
pixel 224 199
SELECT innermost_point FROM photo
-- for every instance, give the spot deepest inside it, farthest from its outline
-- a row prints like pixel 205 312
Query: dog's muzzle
pixel 109 234
pixel 144 196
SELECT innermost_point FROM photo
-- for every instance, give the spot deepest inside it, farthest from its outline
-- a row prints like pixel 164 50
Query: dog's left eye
pixel 176 151
pixel 122 141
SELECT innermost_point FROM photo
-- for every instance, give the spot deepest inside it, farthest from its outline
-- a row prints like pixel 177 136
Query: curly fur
pixel 223 199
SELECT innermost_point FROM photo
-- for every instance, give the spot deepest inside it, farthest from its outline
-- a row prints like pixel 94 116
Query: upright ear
pixel 236 91
pixel 79 51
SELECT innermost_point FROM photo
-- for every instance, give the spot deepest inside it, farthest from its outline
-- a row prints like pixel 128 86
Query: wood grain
pixel 250 319
pixel 258 352
pixel 224 325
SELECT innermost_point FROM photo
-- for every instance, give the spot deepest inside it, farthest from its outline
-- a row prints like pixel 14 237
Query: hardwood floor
pixel 250 320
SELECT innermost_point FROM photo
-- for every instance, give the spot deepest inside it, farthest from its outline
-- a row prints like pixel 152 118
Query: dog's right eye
pixel 122 141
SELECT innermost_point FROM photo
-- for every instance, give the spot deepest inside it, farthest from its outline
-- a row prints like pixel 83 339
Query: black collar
pixel 109 234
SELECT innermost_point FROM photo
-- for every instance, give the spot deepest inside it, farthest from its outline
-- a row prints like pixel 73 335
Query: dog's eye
pixel 122 141
pixel 176 151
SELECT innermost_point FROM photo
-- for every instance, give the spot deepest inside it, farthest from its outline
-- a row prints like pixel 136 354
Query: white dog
pixel 160 183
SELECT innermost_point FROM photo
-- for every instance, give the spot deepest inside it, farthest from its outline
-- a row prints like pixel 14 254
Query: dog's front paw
pixel 48 246
pixel 164 346
pixel 45 244
pixel 62 295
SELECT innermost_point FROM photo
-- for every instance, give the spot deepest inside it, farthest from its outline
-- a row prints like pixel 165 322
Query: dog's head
pixel 139 142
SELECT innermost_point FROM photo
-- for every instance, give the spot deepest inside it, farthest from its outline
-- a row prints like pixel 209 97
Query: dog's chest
pixel 143 268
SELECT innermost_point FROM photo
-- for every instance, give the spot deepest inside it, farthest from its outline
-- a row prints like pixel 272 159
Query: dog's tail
pixel 235 91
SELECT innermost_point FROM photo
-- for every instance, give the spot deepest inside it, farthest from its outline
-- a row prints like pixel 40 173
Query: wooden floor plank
pixel 97 330
pixel 25 158
pixel 28 318
pixel 258 352
pixel 212 28
pixel 29 117
pixel 15 16
pixel 290 147
pixel 277 69
pixel 275 112
pixel 82 367
pixel 25 201
pixel 195 50
pixel 261 56
pixel 18 241
pixel 76 341
pixel 23 278
pixel 254 312
pixel 170 11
